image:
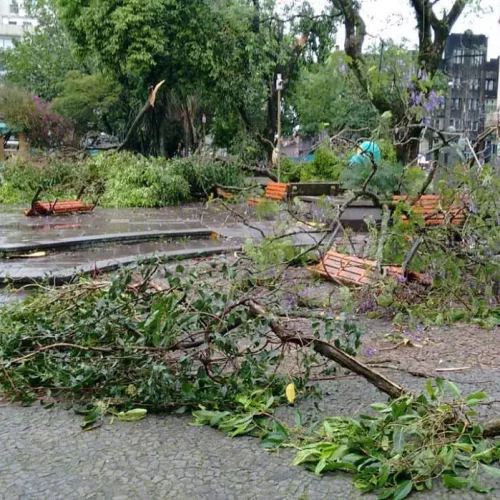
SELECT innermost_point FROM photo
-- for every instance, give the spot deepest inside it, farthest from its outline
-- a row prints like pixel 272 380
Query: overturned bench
pixel 275 191
pixel 430 208
pixel 351 270
pixel 57 207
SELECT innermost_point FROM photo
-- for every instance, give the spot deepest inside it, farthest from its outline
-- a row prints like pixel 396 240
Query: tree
pixel 143 43
pixel 90 102
pixel 433 31
pixel 28 115
pixel 327 97
pixel 40 60
pixel 221 57
pixel 280 45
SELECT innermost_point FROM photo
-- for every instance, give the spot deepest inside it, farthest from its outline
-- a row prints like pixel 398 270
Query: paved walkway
pixel 107 239
pixel 44 455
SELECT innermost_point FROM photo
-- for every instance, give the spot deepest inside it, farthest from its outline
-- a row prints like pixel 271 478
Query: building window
pixel 12 23
pixel 476 126
pixel 455 104
pixel 477 59
pixel 14 8
pixel 458 56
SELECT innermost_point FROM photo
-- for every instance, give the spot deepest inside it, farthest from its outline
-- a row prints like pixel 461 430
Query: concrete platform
pixel 108 239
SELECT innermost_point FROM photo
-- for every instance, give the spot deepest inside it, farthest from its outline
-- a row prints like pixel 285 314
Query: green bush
pixel 122 179
pixel 386 181
pixel 326 166
pixel 291 170
pixel 136 181
pixel 203 173
pixel 21 178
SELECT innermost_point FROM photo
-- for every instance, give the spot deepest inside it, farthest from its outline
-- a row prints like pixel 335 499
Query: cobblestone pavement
pixel 44 455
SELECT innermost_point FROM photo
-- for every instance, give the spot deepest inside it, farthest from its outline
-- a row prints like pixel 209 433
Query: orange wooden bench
pixel 429 207
pixel 41 208
pixel 58 208
pixel 276 191
pixel 352 270
pixel 220 193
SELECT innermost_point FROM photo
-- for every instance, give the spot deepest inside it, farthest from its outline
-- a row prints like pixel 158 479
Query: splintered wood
pixel 352 270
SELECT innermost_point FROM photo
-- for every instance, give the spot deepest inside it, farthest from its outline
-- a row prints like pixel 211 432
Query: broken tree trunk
pixel 331 352
pixel 150 103
pixel 23 144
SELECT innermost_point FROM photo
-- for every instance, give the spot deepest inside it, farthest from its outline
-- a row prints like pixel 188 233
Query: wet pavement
pixel 45 455
pixel 106 239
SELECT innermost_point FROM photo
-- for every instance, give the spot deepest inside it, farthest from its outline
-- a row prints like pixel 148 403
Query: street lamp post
pixel 279 88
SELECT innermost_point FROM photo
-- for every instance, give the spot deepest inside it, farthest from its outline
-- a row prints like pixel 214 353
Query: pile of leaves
pixel 119 179
pixel 407 445
pixel 402 447
pixel 132 344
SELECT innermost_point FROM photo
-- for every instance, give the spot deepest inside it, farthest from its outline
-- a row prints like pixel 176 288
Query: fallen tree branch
pixel 331 352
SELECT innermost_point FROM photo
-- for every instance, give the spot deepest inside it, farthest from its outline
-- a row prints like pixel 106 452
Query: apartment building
pixel 15 20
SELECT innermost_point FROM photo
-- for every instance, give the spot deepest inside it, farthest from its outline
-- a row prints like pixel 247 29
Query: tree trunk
pixel 23 144
pixel 407 145
pixel 2 151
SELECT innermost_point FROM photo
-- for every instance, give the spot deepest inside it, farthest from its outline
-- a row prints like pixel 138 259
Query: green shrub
pixel 326 166
pixel 291 170
pixel 122 179
pixel 136 181
pixel 21 178
pixel 413 180
pixel 203 173
pixel 386 181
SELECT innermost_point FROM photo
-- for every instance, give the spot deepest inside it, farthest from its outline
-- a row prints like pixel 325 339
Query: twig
pixel 61 345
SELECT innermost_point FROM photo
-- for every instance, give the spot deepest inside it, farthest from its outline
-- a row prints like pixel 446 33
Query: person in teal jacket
pixel 367 151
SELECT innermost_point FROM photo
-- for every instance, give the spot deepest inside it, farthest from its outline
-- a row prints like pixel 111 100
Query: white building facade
pixel 14 22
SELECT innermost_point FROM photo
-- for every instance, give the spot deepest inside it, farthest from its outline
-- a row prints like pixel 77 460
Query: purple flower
pixel 473 208
pixel 401 278
pixel 370 352
pixel 366 306
pixel 415 98
pixel 290 302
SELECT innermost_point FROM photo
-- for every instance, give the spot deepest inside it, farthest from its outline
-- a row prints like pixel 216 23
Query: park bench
pixel 275 191
pixel 430 208
pixel 57 207
pixel 352 270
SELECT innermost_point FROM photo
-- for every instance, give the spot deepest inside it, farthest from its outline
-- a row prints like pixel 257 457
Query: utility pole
pixel 279 88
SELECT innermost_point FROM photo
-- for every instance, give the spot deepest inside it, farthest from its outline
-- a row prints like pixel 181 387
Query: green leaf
pixel 453 388
pixel 398 439
pixel 386 494
pixel 492 471
pixel 451 481
pixel 476 398
pixel 430 388
pixel 481 489
pixel 403 490
pixel 381 407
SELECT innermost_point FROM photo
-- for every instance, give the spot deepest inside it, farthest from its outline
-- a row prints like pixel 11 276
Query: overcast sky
pixel 394 19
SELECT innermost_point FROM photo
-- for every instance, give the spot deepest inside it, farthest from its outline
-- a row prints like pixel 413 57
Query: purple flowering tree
pixel 433 31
